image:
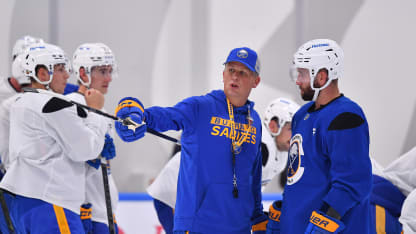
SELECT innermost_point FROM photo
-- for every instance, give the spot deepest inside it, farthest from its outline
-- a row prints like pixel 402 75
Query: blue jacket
pixel 205 202
pixel 329 164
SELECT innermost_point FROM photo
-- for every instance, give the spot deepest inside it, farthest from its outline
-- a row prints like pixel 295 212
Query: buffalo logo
pixel 242 54
pixel 295 170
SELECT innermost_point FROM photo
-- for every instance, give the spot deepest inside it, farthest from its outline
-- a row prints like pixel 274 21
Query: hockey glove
pixel 132 108
pixel 86 211
pixel 259 226
pixel 273 226
pixel 109 150
pixel 320 223
pixel 94 163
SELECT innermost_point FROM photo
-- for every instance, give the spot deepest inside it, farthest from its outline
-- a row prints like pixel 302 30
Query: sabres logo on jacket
pixel 295 169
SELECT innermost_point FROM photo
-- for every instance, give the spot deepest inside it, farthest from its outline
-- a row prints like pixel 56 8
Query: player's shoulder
pixel 302 110
pixel 34 101
pixel 6 90
pixel 77 97
pixel 345 114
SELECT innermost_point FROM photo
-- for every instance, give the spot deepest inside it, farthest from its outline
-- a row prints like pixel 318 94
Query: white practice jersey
pixel 94 184
pixel 401 172
pixel 48 151
pixel 5 106
pixel 408 214
pixel 164 186
pixel 276 160
pixel 376 168
pixel 6 90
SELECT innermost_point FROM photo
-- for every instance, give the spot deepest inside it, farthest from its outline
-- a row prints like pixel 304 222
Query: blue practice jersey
pixel 328 164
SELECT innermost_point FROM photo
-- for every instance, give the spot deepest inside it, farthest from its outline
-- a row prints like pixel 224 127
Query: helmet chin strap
pixel 315 94
pixel 86 84
pixel 318 90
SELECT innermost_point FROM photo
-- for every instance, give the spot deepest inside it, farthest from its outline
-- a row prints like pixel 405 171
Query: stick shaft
pixel 149 130
pixel 107 196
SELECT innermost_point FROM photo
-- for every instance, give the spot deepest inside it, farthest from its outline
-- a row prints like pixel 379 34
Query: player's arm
pixel 82 138
pixel 348 150
pixel 347 147
pixel 157 118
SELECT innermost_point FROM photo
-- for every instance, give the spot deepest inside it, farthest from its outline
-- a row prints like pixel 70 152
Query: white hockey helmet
pixel 23 43
pixel 89 55
pixel 283 110
pixel 43 54
pixel 320 54
pixel 17 70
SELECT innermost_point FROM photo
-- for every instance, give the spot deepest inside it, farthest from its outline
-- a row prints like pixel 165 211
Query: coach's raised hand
pixel 132 108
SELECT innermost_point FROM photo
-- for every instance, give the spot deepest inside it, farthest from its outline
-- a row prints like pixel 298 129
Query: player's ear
pixel 43 74
pixel 274 126
pixel 83 74
pixel 256 81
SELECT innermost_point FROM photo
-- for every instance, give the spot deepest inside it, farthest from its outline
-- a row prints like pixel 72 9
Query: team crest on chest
pixel 295 170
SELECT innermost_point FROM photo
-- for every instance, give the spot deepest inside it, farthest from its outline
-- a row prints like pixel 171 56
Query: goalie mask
pixel 282 110
pixel 319 54
pixel 46 55
pixel 90 55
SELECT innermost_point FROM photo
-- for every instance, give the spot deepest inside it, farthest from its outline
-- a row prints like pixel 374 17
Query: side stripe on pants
pixel 61 218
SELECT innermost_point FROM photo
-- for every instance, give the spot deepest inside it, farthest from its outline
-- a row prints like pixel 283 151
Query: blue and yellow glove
pixel 85 215
pixel 109 150
pixel 94 163
pixel 273 226
pixel 259 224
pixel 132 108
pixel 320 223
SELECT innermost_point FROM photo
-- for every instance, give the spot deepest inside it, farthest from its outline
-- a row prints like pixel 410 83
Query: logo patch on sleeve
pixel 295 170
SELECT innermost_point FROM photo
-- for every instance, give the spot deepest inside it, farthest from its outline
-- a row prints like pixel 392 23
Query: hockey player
pixel 219 183
pixel 11 85
pixel 329 169
pixel 49 144
pixel 276 140
pixel 94 66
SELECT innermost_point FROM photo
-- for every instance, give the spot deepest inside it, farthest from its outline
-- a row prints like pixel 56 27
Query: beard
pixel 307 94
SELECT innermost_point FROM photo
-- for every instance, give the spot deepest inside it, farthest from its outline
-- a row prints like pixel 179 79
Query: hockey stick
pixel 107 196
pixel 6 213
pixel 62 102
